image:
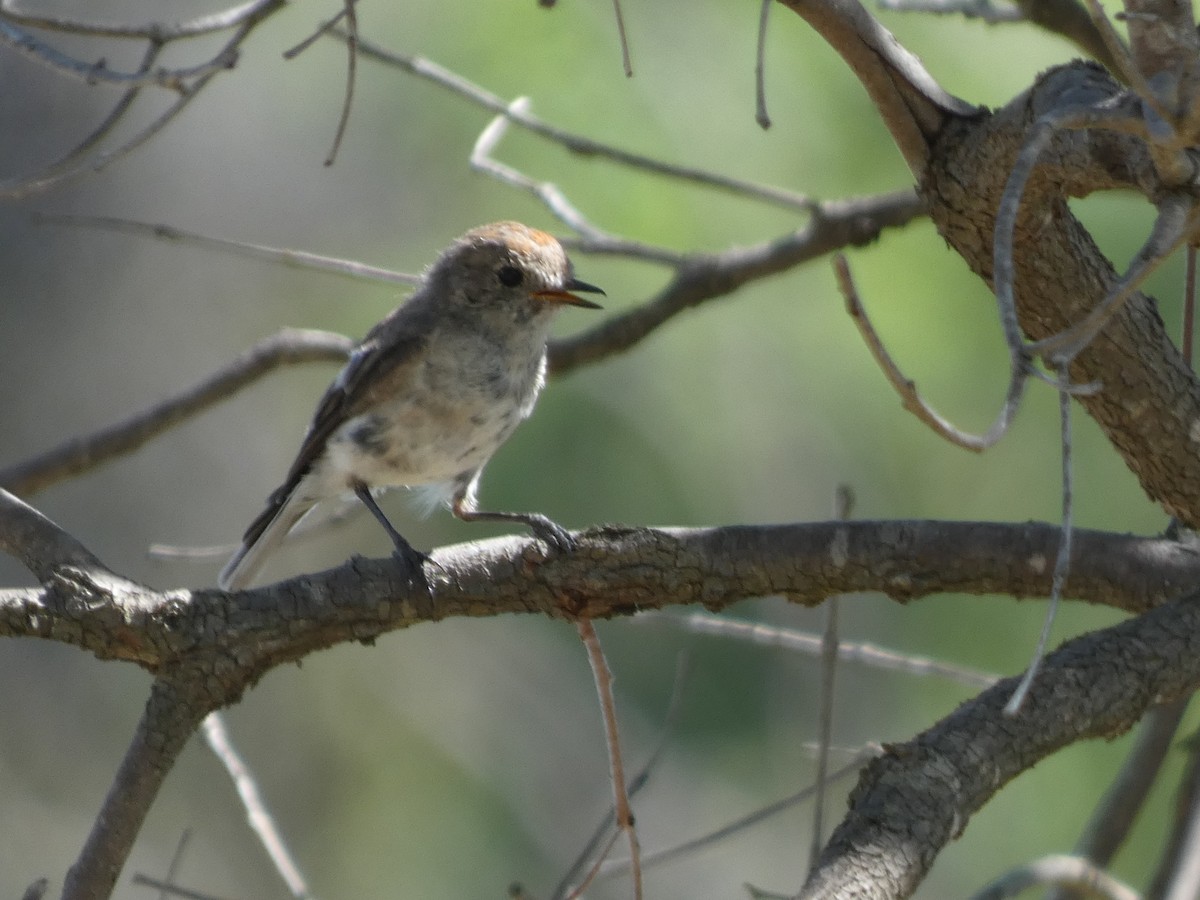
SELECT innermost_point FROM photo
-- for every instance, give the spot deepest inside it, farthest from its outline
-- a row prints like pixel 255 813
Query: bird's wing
pixel 386 348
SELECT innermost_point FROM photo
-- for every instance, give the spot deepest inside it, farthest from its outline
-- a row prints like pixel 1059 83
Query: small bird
pixel 432 392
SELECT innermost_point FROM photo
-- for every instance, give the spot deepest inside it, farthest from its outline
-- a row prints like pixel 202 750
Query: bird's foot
pixel 412 565
pixel 557 538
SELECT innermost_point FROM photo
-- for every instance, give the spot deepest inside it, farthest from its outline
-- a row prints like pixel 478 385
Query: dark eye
pixel 510 276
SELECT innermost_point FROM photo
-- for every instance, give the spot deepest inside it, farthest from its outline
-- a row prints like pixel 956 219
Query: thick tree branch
pixel 616 571
pixel 1149 404
pixel 208 646
pixel 921 794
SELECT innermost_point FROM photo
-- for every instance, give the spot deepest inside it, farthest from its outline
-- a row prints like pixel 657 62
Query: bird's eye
pixel 510 276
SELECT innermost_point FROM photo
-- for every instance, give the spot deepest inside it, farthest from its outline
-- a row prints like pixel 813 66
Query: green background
pixel 451 760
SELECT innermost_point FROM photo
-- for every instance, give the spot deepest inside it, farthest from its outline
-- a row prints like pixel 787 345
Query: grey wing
pixel 386 346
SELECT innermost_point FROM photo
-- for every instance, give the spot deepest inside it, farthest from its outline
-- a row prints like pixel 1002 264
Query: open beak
pixel 566 297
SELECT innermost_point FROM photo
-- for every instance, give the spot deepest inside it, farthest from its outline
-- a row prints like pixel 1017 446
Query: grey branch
pixel 921 794
pixel 703 277
pixel 616 571
pixel 287 347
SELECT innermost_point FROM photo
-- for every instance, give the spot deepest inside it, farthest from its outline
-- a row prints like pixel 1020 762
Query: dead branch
pixel 287 347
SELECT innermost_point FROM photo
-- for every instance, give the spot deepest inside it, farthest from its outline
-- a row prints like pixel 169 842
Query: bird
pixel 431 393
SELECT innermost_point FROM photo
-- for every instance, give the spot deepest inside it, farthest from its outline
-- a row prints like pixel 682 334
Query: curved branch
pixel 615 571
pixel 287 347
pixel 920 795
pixel 835 225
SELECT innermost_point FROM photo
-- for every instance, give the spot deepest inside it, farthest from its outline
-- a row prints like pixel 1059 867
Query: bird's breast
pixel 447 417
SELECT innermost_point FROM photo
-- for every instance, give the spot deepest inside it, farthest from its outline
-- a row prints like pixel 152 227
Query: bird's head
pixel 508 271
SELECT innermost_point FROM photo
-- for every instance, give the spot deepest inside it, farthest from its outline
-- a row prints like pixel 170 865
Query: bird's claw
pixel 557 538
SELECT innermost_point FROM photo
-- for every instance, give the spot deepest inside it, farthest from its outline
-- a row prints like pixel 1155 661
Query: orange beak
pixel 567 298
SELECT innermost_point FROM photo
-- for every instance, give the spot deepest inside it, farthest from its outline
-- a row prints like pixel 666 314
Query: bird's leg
pixel 557 537
pixel 412 559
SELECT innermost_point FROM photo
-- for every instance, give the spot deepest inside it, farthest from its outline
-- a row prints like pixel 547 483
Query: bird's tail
pixel 262 541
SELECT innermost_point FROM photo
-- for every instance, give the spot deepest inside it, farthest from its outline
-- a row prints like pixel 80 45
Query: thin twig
pixel 761 116
pixel 152 31
pixel 350 14
pixel 176 859
pixel 708 276
pixel 72 157
pixel 626 62
pixel 843 508
pixel 554 199
pixel 287 347
pixel 431 71
pixel 1172 228
pixel 1187 335
pixel 910 397
pixel 601 842
pixel 15 188
pixel 1115 813
pixel 804 642
pixel 1068 871
pixel 741 824
pixel 176 79
pixel 257 814
pixel 298 258
pixel 624 815
pixel 1126 68
pixel 1177 876
pixel 170 889
pixel 1062 563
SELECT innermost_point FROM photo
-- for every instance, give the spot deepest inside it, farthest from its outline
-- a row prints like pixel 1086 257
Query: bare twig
pixel 626 62
pixel 622 813
pixel 803 642
pixel 1172 228
pixel 1066 871
pixel 216 735
pixel 350 14
pixel 431 71
pixel 910 397
pixel 222 20
pixel 605 835
pixel 704 277
pixel 169 889
pixel 1187 335
pixel 297 258
pixel 176 79
pixel 843 508
pixel 287 347
pixel 246 18
pixel 71 158
pixel 1062 562
pixel 1114 815
pixel 176 859
pixel 741 824
pixel 1178 873
pixel 761 116
pixel 549 194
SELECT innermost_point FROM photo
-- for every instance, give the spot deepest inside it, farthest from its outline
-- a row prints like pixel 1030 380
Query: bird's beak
pixel 566 297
